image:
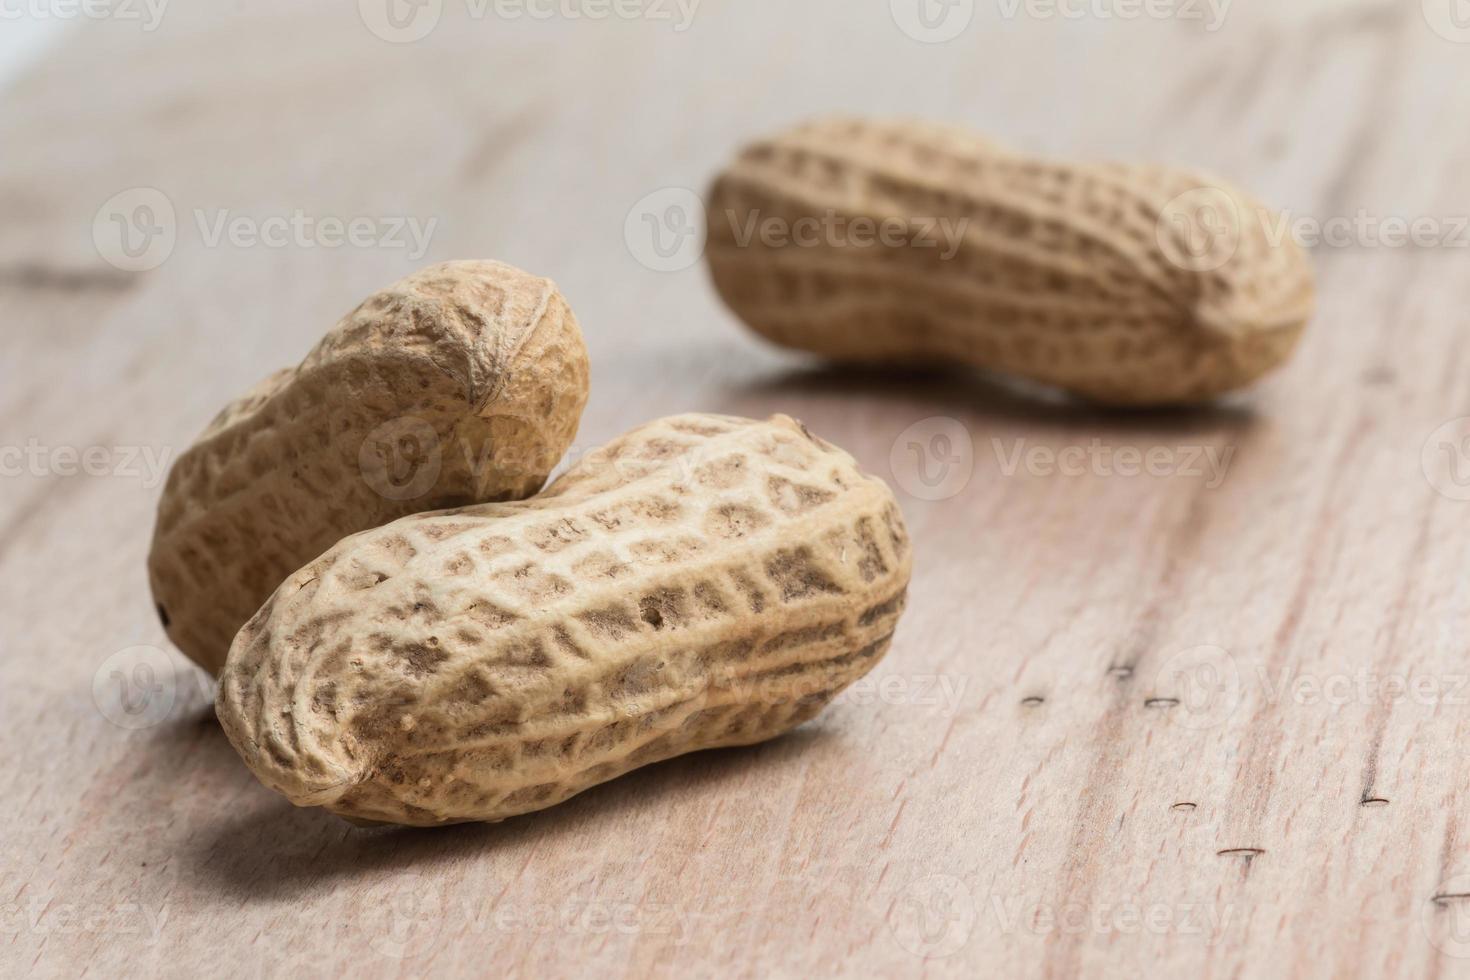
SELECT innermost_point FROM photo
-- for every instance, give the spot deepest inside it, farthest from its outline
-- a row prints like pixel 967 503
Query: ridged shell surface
pixel 702 581
pixel 462 383
pixel 906 242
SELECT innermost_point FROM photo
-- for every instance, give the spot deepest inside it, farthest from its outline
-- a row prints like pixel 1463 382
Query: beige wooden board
pixel 936 823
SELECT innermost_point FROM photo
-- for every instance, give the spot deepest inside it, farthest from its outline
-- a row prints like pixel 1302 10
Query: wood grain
pixel 1038 783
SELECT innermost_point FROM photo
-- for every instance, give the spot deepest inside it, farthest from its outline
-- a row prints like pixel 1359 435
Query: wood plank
pixel 1018 791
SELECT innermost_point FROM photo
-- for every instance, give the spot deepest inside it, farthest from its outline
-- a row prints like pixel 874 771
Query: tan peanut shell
pixel 462 383
pixel 900 241
pixel 702 581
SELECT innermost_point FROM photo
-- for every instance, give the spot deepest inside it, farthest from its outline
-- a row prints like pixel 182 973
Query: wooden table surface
pixel 1211 718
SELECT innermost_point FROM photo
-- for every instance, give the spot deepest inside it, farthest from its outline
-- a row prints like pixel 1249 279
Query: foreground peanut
pixel 897 241
pixel 475 370
pixel 702 581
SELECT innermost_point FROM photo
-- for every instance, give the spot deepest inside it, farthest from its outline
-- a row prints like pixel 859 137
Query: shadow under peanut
pixel 824 391
pixel 268 849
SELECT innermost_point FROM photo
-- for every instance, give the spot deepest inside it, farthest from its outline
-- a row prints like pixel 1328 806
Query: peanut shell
pixel 890 242
pixel 702 581
pixel 462 383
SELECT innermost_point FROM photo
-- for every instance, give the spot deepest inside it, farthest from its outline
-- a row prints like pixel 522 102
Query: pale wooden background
pixel 913 835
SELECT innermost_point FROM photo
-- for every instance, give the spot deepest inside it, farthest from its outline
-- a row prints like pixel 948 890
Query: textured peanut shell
pixel 702 581
pixel 462 383
pixel 1065 275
